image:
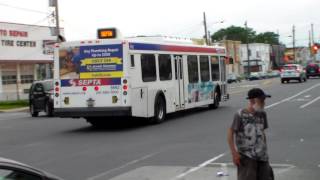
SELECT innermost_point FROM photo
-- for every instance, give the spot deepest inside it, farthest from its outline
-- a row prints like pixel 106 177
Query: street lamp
pixel 209 34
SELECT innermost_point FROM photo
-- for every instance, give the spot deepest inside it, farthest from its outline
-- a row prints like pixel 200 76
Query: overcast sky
pixel 182 18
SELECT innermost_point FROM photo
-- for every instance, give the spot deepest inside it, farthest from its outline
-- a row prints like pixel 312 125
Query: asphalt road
pixel 190 145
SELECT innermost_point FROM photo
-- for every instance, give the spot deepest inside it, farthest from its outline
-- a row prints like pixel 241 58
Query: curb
pixel 23 109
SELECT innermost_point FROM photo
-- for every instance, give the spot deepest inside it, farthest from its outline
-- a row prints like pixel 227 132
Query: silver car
pixel 293 72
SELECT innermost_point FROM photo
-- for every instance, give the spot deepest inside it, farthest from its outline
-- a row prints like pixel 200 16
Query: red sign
pixel 13 33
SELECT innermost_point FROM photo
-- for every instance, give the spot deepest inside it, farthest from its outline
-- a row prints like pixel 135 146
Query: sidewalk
pixel 23 109
pixel 213 171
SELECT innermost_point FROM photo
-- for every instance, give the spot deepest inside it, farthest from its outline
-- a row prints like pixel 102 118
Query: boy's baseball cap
pixel 257 93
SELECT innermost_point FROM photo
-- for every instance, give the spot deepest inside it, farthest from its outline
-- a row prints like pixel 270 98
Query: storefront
pixel 26 54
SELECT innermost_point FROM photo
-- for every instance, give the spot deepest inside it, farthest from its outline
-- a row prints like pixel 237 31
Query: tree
pixel 235 33
pixel 268 38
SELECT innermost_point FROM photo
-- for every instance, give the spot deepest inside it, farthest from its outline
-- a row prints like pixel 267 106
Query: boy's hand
pixel 236 158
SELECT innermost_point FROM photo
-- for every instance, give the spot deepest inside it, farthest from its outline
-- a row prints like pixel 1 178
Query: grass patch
pixel 5 105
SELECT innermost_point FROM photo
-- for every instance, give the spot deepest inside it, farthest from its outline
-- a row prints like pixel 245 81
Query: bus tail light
pixel 96 88
pixel 84 88
pixel 125 81
pixel 125 87
pixel 57 89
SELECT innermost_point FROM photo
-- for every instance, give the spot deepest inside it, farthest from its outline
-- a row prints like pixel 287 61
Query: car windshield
pixel 48 85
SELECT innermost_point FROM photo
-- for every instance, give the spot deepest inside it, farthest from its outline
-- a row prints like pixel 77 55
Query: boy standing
pixel 247 139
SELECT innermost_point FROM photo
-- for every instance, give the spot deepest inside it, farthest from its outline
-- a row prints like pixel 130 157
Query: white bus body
pixel 126 77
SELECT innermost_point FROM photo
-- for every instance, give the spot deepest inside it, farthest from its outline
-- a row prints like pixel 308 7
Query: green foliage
pixel 13 104
pixel 237 33
pixel 267 37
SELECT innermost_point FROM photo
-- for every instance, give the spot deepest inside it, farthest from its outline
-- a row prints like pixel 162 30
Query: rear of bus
pixel 90 79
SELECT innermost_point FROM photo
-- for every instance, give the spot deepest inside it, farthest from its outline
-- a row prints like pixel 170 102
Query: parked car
pixel 293 72
pixel 312 70
pixel 13 170
pixel 233 78
pixel 41 98
pixel 275 73
pixel 262 75
pixel 254 76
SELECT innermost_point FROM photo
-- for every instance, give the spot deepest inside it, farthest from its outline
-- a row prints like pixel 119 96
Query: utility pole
pixel 210 41
pixel 310 44
pixel 54 4
pixel 248 50
pixel 312 35
pixel 294 43
pixel 312 41
pixel 205 28
pixel 57 21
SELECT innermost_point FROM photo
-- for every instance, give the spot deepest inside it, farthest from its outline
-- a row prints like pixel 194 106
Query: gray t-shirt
pixel 249 132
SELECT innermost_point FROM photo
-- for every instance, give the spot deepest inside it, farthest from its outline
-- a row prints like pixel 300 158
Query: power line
pixel 23 9
pixel 34 26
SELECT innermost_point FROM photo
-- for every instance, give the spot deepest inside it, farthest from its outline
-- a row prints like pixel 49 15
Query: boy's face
pixel 260 102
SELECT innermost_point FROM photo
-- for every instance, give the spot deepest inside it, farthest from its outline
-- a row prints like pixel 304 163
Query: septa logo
pixel 89 82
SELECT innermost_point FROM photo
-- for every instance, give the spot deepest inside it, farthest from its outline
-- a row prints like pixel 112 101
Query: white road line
pixel 120 167
pixel 285 170
pixel 289 98
pixel 307 104
pixel 199 166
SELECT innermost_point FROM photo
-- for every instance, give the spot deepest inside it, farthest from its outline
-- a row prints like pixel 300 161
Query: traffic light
pixel 315 48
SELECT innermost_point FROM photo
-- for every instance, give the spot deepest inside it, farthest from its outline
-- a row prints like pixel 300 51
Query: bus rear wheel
pixel 216 101
pixel 159 111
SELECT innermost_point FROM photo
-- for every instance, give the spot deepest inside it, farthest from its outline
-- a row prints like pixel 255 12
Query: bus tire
pixel 159 111
pixel 216 101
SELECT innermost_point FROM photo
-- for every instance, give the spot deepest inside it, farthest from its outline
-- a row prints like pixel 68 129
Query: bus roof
pixel 152 44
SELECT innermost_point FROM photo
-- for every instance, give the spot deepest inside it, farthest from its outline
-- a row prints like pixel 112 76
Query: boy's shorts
pixel 251 169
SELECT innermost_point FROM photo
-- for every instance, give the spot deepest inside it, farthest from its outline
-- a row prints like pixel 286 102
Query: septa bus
pixel 145 77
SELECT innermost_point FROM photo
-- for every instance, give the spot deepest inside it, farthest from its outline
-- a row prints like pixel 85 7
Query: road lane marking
pixel 285 170
pixel 307 104
pixel 121 167
pixel 199 166
pixel 290 98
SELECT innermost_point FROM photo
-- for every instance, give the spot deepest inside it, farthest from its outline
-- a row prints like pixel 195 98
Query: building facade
pixel 233 61
pixel 26 54
pixel 302 55
pixel 259 57
pixel 277 56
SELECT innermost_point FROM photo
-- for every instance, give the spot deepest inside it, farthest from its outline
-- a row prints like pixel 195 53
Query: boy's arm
pixel 234 152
